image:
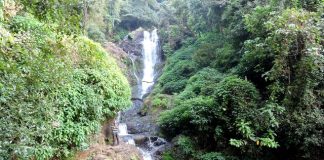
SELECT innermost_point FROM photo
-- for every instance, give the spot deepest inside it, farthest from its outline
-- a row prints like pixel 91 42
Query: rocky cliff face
pixel 132 43
pixel 132 46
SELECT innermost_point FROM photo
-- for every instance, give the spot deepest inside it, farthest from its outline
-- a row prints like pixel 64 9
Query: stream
pixel 150 56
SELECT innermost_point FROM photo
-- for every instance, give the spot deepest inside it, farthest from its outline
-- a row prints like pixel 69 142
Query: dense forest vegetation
pixel 56 86
pixel 246 79
pixel 243 79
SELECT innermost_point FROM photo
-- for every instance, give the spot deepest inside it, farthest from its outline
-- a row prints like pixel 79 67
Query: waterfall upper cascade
pixel 150 51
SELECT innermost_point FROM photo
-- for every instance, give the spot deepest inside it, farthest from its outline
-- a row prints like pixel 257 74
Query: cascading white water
pixel 122 131
pixel 122 128
pixel 150 58
pixel 150 48
pixel 134 68
pixel 146 155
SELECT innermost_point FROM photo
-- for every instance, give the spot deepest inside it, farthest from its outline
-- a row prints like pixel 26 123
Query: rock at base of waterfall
pixel 140 139
pixel 159 142
pixel 137 128
pixel 153 139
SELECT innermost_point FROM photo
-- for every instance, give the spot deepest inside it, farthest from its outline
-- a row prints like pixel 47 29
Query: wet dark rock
pixel 142 113
pixel 153 139
pixel 138 121
pixel 140 139
pixel 159 142
pixel 137 99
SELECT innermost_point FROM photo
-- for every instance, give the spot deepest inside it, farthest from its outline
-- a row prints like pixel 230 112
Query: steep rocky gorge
pixel 132 45
pixel 137 128
pixel 143 50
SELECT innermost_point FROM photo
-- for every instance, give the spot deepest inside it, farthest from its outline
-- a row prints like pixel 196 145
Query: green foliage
pixel 28 24
pixel 55 90
pixel 161 101
pixel 237 96
pixel 179 69
pixel 1 11
pixel 255 21
pixel 167 156
pixel 198 16
pixel 174 120
pixel 65 15
pixel 276 46
pixel 96 34
pixel 213 156
pixel 246 76
pixel 186 145
pixel 172 37
pixel 205 55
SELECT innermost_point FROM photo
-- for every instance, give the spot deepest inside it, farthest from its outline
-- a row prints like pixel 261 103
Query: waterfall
pixel 122 131
pixel 150 45
pixel 150 48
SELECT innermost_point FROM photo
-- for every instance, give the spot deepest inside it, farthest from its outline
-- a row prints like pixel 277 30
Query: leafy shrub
pixel 205 55
pixel 174 121
pixel 167 156
pixel 96 34
pixel 178 70
pixel 236 96
pixel 231 115
pixel 226 58
pixel 28 24
pixel 202 83
pixel 160 101
pixel 212 156
pixel 292 69
pixel 54 96
pixel 119 35
pixel 277 109
pixel 65 16
pixel 186 145
pixel 193 114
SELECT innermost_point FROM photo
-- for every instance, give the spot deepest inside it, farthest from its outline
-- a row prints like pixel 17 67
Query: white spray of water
pixel 150 47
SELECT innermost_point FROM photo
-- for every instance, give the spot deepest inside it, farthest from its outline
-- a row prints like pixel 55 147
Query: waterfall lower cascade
pixel 150 56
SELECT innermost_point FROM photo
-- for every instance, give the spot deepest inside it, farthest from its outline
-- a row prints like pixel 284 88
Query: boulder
pixel 159 142
pixel 140 139
pixel 132 43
